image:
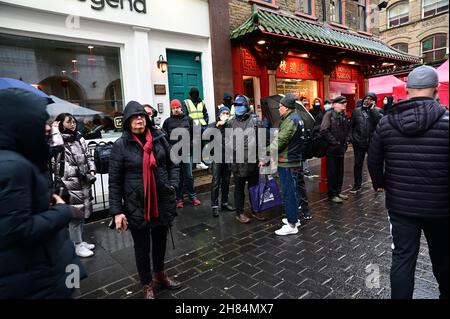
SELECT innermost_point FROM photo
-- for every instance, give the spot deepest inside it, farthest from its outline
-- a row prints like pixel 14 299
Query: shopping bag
pixel 265 195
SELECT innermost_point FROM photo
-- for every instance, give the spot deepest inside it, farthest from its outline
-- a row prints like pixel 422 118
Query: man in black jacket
pixel 35 249
pixel 409 157
pixel 179 119
pixel 334 129
pixel 362 125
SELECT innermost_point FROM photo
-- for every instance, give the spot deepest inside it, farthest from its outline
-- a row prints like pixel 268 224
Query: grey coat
pixel 77 162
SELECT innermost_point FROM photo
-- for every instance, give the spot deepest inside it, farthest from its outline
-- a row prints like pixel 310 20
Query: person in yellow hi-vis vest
pixel 195 108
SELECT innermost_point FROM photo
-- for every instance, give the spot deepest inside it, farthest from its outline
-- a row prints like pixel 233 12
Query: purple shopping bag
pixel 265 195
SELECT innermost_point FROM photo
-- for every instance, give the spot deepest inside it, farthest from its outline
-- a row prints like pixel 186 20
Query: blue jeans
pixel 288 180
pixel 186 180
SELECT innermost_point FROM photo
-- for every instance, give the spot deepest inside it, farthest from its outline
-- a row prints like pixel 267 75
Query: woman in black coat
pixel 142 185
pixel 37 257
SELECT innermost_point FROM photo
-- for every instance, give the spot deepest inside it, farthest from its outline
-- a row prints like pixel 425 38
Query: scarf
pixel 148 169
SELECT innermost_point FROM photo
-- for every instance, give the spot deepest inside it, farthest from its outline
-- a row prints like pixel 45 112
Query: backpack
pixel 102 153
pixel 314 145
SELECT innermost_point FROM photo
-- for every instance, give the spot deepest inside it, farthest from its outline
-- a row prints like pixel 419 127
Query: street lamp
pixel 162 64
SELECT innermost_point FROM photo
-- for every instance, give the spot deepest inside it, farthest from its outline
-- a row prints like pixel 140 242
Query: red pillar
pixel 264 81
pixel 323 185
pixel 238 82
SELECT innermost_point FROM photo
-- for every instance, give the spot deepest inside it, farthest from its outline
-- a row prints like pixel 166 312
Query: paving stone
pixel 244 280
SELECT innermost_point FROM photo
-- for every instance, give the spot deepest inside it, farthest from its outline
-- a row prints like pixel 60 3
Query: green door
pixel 185 71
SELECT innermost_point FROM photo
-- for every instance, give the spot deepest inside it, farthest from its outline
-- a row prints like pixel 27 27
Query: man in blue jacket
pixel 408 157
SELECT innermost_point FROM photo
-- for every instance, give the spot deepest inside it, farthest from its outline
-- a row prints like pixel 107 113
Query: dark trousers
pixel 360 154
pixel 288 181
pixel 221 173
pixel 335 175
pixel 302 195
pixel 406 232
pixel 239 190
pixel 186 180
pixel 142 239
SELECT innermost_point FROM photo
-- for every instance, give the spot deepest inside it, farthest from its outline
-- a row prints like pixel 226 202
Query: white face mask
pixel 385 100
pixel 224 117
pixel 327 107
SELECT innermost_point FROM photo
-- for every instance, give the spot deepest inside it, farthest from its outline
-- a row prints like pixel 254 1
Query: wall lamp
pixel 162 64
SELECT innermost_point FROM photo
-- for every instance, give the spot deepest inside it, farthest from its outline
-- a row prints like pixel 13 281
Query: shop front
pixel 101 54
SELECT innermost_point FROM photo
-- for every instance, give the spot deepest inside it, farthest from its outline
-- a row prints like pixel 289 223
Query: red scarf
pixel 148 168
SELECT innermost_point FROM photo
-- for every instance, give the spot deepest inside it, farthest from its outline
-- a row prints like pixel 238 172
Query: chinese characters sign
pixel 296 68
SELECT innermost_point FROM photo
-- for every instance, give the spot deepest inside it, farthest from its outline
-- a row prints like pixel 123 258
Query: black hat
pixel 372 95
pixel 340 99
pixel 289 100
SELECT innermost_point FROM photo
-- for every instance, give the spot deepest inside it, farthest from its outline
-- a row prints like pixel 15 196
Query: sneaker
pixel 215 211
pixel 180 203
pixel 307 216
pixel 336 199
pixel 196 202
pixel 82 251
pixel 202 165
pixel 355 189
pixel 286 230
pixel 243 219
pixel 228 207
pixel 297 224
pixel 342 196
pixel 88 246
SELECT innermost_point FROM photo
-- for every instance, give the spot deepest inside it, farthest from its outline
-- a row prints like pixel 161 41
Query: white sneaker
pixel 286 230
pixel 297 224
pixel 88 246
pixel 82 251
pixel 201 165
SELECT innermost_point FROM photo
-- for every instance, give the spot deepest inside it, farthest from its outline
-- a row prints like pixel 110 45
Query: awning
pixel 384 84
pixel 443 72
pixel 290 26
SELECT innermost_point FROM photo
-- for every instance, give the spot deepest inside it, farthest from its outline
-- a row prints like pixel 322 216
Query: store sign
pixel 344 73
pixel 137 5
pixel 294 68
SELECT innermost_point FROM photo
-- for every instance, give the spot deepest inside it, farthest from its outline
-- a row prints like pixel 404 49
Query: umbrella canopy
pixel 6 83
pixel 443 72
pixel 62 106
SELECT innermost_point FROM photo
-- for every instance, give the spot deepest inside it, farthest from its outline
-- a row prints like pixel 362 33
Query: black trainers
pixel 355 189
pixel 215 211
pixel 228 207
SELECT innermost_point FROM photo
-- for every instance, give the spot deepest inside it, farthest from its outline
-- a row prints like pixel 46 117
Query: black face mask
pixel 194 95
pixel 227 101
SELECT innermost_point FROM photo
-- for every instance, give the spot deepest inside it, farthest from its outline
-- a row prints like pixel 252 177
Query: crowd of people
pixel 41 231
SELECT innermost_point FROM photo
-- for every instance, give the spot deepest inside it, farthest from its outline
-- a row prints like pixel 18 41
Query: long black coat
pixel 335 129
pixel 126 185
pixel 408 156
pixel 35 247
pixel 363 124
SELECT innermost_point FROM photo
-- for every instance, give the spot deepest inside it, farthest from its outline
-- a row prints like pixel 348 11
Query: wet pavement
pixel 334 255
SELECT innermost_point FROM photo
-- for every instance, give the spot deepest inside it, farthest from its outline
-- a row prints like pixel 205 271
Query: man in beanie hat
pixel 228 102
pixel 409 156
pixel 221 171
pixel 334 129
pixel 362 125
pixel 178 119
pixel 289 144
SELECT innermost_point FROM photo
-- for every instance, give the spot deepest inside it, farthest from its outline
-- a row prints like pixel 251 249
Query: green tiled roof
pixel 294 27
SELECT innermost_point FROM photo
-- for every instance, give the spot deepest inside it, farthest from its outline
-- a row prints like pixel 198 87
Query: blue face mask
pixel 327 107
pixel 240 110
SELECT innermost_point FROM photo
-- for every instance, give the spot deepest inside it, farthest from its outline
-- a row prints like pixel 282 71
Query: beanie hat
pixel 289 100
pixel 371 95
pixel 175 103
pixel 227 95
pixel 340 99
pixel 223 109
pixel 241 100
pixel 423 77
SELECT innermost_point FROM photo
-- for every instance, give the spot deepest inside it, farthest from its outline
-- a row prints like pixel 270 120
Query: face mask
pixel 327 107
pixel 385 101
pixel 194 95
pixel 224 117
pixel 317 104
pixel 240 110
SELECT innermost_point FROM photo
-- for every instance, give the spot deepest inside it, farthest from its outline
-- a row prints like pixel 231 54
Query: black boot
pixel 228 207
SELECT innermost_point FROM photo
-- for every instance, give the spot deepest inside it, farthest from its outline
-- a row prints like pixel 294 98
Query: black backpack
pixel 102 153
pixel 314 145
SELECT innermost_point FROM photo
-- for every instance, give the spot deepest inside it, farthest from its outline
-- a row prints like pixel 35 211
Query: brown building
pixel 299 46
pixel 419 27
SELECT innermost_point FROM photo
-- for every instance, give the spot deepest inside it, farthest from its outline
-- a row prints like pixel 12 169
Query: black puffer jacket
pixel 408 156
pixel 363 124
pixel 126 177
pixel 35 247
pixel 334 129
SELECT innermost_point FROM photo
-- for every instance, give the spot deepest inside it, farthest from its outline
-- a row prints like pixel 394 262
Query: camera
pixel 88 179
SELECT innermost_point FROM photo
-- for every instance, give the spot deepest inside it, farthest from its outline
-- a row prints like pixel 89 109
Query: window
pixel 362 15
pixel 336 11
pixel 303 6
pixel 399 14
pixel 434 48
pixel 433 7
pixel 401 47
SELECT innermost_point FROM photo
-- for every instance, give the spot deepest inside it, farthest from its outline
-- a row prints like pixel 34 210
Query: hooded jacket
pixel 126 184
pixel 194 96
pixel 35 247
pixel 388 107
pixel 317 112
pixel 408 156
pixel 363 124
